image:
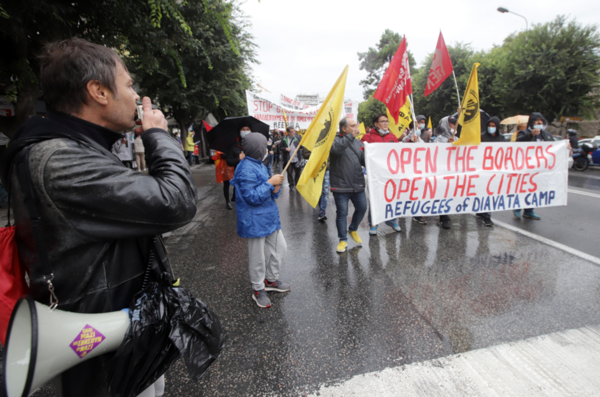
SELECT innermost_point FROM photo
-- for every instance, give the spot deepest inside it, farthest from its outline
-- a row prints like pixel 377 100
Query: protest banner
pixel 441 179
pixel 272 113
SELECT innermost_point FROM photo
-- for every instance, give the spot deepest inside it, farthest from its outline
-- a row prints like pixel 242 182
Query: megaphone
pixel 42 343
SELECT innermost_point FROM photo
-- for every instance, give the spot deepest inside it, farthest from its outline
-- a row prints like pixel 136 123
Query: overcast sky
pixel 303 46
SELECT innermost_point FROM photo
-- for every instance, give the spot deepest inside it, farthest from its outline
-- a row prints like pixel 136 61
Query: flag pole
pixel 456 85
pixel 290 161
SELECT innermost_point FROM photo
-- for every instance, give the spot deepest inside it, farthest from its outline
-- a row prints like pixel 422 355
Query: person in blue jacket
pixel 258 219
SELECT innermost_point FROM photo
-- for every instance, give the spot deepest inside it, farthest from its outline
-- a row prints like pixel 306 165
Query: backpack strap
pixel 24 175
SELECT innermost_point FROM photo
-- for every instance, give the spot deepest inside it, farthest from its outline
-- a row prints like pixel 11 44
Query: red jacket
pixel 374 137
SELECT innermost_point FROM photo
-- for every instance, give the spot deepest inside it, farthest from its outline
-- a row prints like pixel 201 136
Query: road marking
pixel 552 243
pixel 586 176
pixel 561 363
pixel 584 193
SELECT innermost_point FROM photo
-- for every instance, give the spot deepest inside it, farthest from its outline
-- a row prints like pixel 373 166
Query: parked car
pixel 594 157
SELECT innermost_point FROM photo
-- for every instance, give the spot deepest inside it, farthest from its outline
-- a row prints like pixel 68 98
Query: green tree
pixel 552 69
pixel 368 109
pixel 376 60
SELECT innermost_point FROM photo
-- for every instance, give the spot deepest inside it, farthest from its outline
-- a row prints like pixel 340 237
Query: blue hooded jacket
pixel 257 212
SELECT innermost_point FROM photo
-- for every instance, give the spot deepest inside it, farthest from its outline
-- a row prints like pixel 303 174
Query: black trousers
pixel 293 174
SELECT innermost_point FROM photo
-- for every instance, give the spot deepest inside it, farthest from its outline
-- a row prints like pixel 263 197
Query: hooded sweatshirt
pixel 496 136
pixel 527 135
pixel 255 146
pixel 443 131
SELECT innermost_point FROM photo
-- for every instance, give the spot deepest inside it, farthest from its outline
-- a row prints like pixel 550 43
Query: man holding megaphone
pixel 98 218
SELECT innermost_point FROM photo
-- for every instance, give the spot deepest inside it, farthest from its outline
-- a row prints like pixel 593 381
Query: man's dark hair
pixel 377 116
pixel 289 129
pixel 68 65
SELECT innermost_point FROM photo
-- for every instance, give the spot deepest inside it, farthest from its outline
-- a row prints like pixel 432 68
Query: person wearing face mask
pixel 234 155
pixel 491 134
pixel 446 130
pixel 535 132
pixel 381 134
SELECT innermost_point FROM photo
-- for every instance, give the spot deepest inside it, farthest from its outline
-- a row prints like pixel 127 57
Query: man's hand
pixel 276 180
pixel 451 139
pixel 271 152
pixel 288 149
pixel 242 156
pixel 153 118
pixel 276 190
pixel 414 138
pixel 536 131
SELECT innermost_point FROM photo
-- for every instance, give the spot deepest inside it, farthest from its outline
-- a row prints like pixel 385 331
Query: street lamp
pixel 504 10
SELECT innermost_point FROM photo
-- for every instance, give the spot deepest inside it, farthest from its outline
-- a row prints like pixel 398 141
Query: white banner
pixel 272 114
pixel 425 179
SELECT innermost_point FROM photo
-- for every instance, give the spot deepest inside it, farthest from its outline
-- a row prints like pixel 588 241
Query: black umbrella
pixel 224 135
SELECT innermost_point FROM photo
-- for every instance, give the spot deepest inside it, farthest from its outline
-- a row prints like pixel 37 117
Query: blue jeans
pixel 269 166
pixel 341 203
pixel 324 194
pixel 189 156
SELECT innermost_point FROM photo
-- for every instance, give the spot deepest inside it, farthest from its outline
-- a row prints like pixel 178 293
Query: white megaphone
pixel 41 343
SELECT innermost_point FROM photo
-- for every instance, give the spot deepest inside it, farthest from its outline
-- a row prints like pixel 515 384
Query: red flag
pixel 208 127
pixel 441 67
pixel 395 85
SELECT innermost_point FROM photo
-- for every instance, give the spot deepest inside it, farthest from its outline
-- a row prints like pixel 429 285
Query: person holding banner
pixel 491 134
pixel 381 134
pixel 348 181
pixel 258 219
pixel 535 132
pixel 288 146
pixel 446 130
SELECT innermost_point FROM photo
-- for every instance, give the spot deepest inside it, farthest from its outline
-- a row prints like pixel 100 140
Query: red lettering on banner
pixel 389 200
pixel 510 177
pixel 431 164
pixel 508 157
pixel 500 186
pixel 521 153
pixel 448 179
pixel 450 150
pixel 487 156
pixel 460 158
pixel 405 161
pixel 413 189
pixel 523 183
pixel 459 186
pixel 393 151
pixel 553 157
pixel 533 184
pixel 487 188
pixel 527 157
pixel 432 188
pixel 469 158
pixel 498 158
pixel 539 155
pixel 471 185
pixel 518 183
pixel 417 160
pixel 400 190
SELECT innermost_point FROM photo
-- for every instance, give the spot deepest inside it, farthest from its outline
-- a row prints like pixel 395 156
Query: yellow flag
pixel 362 130
pixel 469 118
pixel 318 139
pixel 404 119
pixel 285 119
pixel 429 124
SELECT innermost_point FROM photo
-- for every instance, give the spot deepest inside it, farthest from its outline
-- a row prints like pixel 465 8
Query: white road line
pixel 558 364
pixel 572 251
pixel 586 176
pixel 583 193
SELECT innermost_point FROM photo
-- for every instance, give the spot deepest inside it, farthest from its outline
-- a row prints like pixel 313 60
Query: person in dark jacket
pixel 491 135
pixel 348 181
pixel 288 146
pixel 535 132
pixel 381 134
pixel 258 219
pixel 573 139
pixel 99 218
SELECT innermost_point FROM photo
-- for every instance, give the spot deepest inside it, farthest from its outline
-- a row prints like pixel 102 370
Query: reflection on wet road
pixel 402 298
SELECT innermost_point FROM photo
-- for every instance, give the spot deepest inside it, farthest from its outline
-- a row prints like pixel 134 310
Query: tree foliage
pixel 553 69
pixel 155 37
pixel 368 109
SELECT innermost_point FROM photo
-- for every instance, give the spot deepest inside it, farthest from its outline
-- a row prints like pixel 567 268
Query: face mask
pixel 422 126
pixel 243 134
pixel 418 132
pixel 538 126
pixel 382 132
pixel 491 130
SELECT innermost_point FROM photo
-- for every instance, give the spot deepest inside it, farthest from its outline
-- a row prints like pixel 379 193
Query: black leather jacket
pixel 99 219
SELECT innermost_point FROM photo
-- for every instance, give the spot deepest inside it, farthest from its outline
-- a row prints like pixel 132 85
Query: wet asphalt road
pixel 401 298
